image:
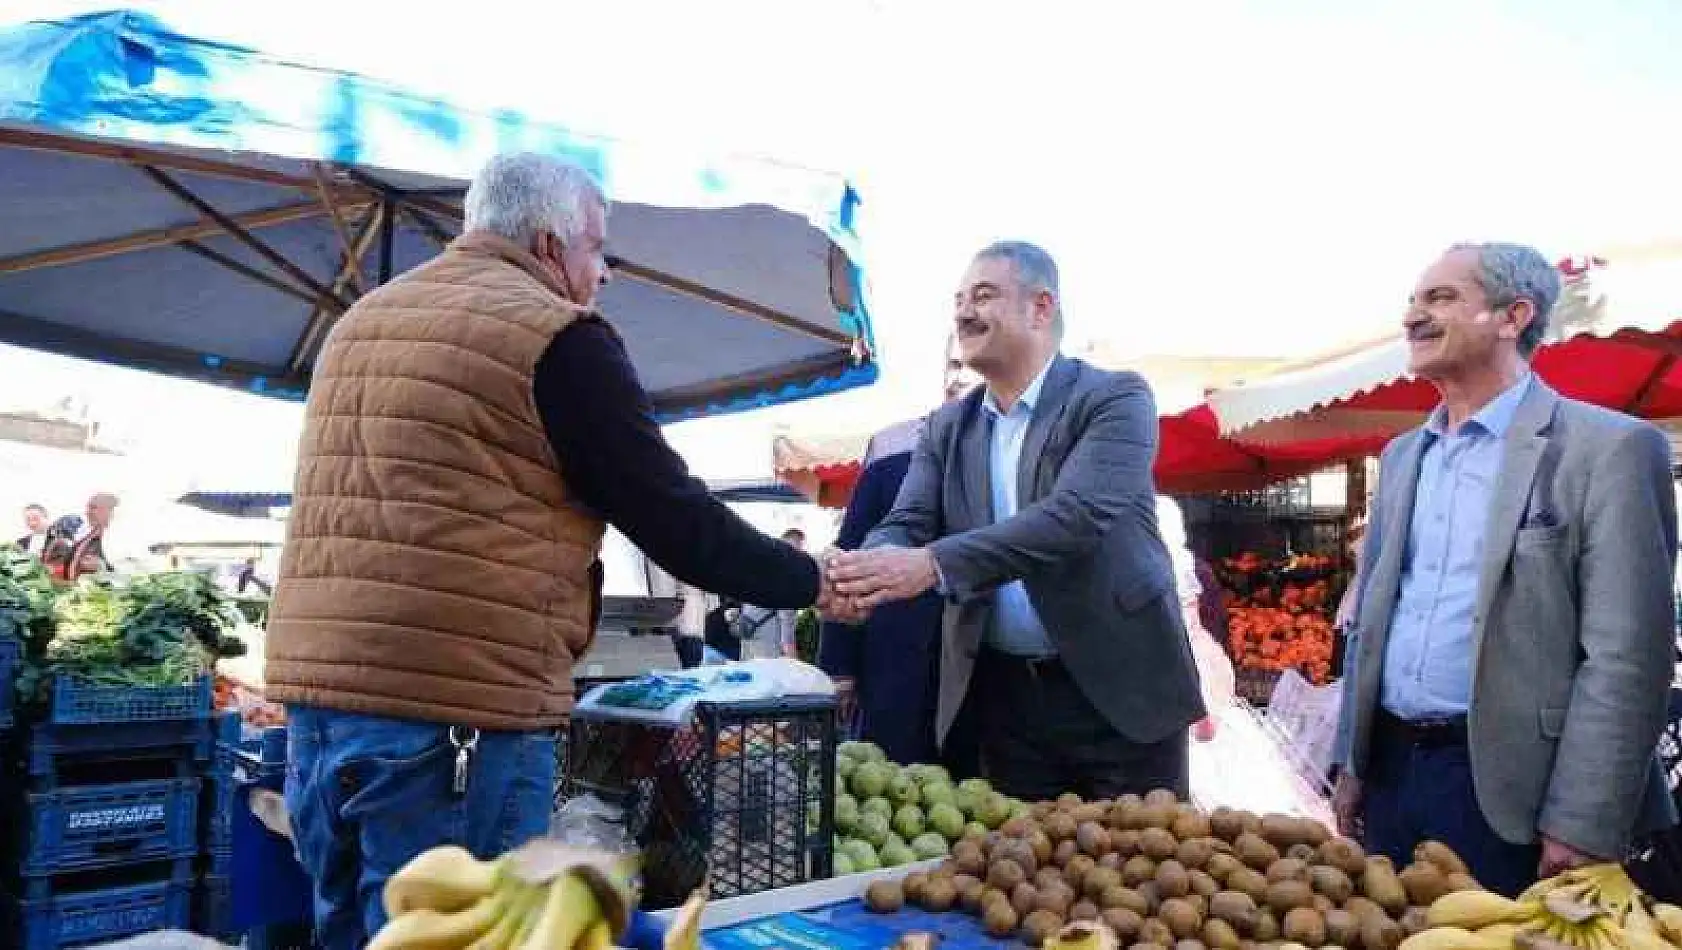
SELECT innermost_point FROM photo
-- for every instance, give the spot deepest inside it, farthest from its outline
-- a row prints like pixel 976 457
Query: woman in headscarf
pixel 1214 668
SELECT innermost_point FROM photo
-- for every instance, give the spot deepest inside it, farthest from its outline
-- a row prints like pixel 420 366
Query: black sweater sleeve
pixel 615 459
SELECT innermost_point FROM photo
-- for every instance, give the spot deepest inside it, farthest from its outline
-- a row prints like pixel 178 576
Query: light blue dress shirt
pixel 1428 657
pixel 1015 627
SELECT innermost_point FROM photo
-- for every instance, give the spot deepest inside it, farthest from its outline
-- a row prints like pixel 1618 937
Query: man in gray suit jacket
pixel 1029 504
pixel 1510 664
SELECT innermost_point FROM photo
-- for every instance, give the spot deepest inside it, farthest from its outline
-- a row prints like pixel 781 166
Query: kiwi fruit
pixel 1331 882
pixel 1287 869
pixel 969 892
pixel 1441 855
pixel 1114 860
pixel 884 897
pixel 1342 928
pixel 1345 855
pixel 1306 853
pixel 1225 824
pixel 1302 925
pixel 1005 874
pixel 1079 867
pixel 913 886
pixel 972 864
pixel 1203 885
pixel 1063 852
pixel 1044 876
pixel 1156 816
pixel 1162 797
pixel 1157 844
pixel 1267 925
pixel 1322 904
pixel 1000 919
pixel 1279 830
pixel 1460 881
pixel 1127 898
pixel 1040 843
pixel 1040 926
pixel 1091 813
pixel 1251 822
pixel 1424 882
pixel 1190 823
pixel 1016 828
pixel 1250 881
pixel 1018 850
pixel 1155 930
pixel 1380 884
pixel 1379 932
pixel 1125 842
pixel 1024 898
pixel 1194 852
pixel 1313 833
pixel 1098 880
pixel 990 895
pixel 1363 908
pixel 1093 839
pixel 1220 935
pixel 1060 826
pixel 1138 870
pixel 1285 896
pixel 1124 922
pixel 1151 894
pixel 1256 851
pixel 1172 880
pixel 1220 866
pixel 1190 945
pixel 1069 801
pixel 1040 811
pixel 1236 908
pixel 1124 816
pixel 1083 910
pixel 939 895
pixel 1056 898
pixel 1200 902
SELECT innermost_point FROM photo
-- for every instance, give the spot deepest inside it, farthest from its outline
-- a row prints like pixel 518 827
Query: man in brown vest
pixel 472 429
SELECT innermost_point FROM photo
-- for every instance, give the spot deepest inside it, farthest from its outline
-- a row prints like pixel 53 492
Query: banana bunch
pixel 1591 908
pixel 544 896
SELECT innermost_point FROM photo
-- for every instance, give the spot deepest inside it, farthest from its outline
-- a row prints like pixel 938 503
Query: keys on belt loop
pixel 465 739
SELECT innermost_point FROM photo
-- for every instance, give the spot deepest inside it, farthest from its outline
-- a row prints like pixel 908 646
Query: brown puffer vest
pixel 435 567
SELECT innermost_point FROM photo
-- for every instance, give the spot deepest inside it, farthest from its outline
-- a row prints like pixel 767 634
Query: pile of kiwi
pixel 1165 876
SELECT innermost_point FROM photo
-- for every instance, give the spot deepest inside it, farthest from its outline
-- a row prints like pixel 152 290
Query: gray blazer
pixel 1084 542
pixel 1573 625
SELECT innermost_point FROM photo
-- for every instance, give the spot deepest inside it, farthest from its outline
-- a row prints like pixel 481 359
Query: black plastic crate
pixel 95 826
pixel 740 799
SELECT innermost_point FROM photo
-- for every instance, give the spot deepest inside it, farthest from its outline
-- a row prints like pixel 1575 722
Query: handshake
pixel 854 583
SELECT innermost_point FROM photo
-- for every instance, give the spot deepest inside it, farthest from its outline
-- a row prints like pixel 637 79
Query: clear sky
pixel 1220 177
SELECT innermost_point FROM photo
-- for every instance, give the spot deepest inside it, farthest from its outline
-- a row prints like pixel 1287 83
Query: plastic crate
pixel 76 703
pixel 9 651
pixel 99 826
pixel 292 936
pixel 98 916
pixel 741 799
pixel 54 748
pixel 213 909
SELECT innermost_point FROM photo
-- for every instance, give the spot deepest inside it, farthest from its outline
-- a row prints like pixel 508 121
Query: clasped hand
pixel 857 582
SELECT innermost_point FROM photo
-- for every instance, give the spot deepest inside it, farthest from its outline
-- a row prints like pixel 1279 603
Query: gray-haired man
pixel 1509 666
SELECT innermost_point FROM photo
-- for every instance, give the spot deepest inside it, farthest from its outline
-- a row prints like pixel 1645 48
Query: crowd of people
pixel 1004 595
pixel 69 546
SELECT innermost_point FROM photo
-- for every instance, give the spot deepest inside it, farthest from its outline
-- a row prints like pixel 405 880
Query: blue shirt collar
pixel 1029 397
pixel 1496 415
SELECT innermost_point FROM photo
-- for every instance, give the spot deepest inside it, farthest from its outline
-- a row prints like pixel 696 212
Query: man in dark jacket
pixel 887 670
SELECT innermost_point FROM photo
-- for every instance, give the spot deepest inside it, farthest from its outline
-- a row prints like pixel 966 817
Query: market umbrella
pixel 1613 341
pixel 200 209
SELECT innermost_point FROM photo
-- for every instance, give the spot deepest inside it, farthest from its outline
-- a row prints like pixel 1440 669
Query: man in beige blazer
pixel 1509 668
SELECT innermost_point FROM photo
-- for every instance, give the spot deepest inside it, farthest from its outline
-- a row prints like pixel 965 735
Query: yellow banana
pixel 444 879
pixel 1454 938
pixel 1502 933
pixel 1669 918
pixel 520 904
pixel 685 931
pixel 428 929
pixel 598 937
pixel 569 909
pixel 1473 910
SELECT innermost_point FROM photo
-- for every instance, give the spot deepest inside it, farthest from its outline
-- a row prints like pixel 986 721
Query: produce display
pixel 163 629
pixel 543 896
pixel 1592 908
pixel 1279 613
pixel 888 815
pixel 1155 872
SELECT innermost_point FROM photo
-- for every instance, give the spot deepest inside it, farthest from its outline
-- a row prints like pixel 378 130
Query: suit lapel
pixel 1054 394
pixel 1397 490
pixel 1521 453
pixel 976 447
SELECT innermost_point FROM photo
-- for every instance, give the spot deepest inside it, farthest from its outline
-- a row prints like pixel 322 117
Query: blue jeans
pixel 367 794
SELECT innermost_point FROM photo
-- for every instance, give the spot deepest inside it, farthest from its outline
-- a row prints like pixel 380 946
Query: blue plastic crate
pixel 213 909
pixel 288 936
pixel 96 826
pixel 9 650
pixel 189 743
pixel 73 920
pixel 77 703
pixel 218 808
